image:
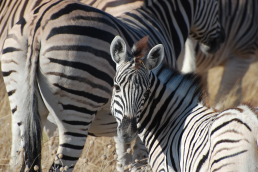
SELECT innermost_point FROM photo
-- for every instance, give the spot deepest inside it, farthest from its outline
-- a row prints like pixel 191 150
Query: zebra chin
pixel 127 130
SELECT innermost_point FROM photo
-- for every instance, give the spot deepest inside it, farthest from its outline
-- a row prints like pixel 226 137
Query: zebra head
pixel 210 36
pixel 131 83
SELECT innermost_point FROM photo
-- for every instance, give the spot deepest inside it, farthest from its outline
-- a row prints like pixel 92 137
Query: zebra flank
pixel 57 61
pixel 179 131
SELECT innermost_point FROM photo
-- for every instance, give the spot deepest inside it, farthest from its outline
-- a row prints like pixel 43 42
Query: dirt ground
pixel 93 154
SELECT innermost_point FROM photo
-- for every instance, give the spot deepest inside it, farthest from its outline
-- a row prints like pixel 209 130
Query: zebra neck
pixel 173 97
pixel 174 16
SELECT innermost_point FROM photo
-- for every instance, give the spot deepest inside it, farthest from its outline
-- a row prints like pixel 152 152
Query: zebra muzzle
pixel 127 130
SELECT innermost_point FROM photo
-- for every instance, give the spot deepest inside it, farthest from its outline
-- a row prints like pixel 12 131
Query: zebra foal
pixel 166 111
pixel 56 60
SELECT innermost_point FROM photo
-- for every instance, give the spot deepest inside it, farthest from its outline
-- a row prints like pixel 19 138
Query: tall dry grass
pixel 249 87
pixel 92 158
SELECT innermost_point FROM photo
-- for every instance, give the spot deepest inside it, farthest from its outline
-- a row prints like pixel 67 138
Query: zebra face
pixel 132 83
pixel 129 94
pixel 210 36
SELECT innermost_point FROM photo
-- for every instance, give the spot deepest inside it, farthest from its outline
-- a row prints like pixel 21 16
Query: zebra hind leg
pixel 50 129
pixel 71 144
pixel 16 153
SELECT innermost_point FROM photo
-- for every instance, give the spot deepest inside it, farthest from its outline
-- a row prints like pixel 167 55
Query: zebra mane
pixel 167 75
pixel 139 50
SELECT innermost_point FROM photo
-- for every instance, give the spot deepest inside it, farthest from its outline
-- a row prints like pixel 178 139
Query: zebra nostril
pixel 19 123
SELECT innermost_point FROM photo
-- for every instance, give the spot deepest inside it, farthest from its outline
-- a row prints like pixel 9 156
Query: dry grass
pixel 92 157
pixel 94 152
pixel 249 87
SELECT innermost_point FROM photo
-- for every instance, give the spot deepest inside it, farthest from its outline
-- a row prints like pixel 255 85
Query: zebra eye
pixel 146 94
pixel 117 88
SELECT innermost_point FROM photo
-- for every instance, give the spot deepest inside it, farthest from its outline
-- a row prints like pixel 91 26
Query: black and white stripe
pixel 11 12
pixel 60 51
pixel 239 50
pixel 180 132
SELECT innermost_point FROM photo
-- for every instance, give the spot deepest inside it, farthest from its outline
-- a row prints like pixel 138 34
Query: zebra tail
pixel 33 129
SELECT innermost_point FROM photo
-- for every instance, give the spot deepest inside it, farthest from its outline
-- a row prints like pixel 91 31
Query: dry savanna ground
pixel 99 153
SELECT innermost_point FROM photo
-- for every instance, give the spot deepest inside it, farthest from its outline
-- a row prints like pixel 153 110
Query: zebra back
pixel 12 11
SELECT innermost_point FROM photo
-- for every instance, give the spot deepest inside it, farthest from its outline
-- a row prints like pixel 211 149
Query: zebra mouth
pixel 127 130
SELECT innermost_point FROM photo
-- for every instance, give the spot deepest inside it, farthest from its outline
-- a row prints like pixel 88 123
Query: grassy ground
pixel 91 159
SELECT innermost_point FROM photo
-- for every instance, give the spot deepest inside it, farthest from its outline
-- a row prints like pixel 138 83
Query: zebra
pixel 65 65
pixel 115 7
pixel 168 114
pixel 239 50
pixel 10 13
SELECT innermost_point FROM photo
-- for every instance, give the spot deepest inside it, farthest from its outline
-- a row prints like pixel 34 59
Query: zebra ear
pixel 118 50
pixel 155 57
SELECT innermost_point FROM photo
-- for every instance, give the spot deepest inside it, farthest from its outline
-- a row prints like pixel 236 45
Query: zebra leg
pixel 16 155
pixel 71 144
pixel 235 69
pixel 99 127
pixel 124 157
pixel 140 155
pixel 50 129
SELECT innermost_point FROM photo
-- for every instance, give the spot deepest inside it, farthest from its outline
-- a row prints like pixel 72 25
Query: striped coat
pixel 62 47
pixel 168 114
pixel 240 49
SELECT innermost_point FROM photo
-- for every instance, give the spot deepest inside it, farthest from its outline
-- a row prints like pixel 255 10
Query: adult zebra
pixel 239 50
pixel 63 49
pixel 10 13
pixel 166 111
